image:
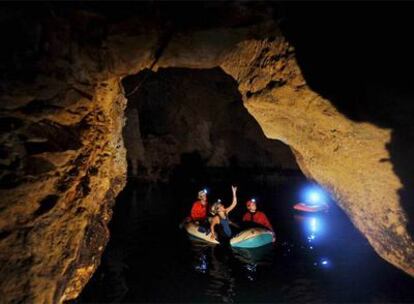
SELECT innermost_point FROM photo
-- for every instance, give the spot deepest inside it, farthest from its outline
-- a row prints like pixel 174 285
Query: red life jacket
pixel 199 211
pixel 259 218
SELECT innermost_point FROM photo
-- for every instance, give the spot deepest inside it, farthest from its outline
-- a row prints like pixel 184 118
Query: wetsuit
pixel 225 225
pixel 257 217
pixel 223 230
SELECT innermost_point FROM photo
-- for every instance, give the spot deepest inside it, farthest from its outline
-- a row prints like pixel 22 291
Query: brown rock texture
pixel 62 156
pixel 69 167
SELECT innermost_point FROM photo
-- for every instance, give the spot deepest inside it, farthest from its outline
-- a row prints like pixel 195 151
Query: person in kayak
pixel 198 213
pixel 199 209
pixel 220 216
pixel 254 216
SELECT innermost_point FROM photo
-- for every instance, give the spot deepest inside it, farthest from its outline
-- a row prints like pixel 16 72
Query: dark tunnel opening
pixel 194 112
pixel 189 129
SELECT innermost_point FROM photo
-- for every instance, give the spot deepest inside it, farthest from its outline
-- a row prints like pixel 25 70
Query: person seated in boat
pixel 221 217
pixel 199 210
pixel 198 213
pixel 254 216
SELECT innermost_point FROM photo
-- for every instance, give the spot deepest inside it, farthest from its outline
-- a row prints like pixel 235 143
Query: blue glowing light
pixel 325 262
pixel 314 195
pixel 313 226
pixel 205 190
pixel 202 266
pixel 253 200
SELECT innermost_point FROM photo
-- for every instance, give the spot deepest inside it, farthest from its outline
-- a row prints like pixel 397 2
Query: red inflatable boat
pixel 310 208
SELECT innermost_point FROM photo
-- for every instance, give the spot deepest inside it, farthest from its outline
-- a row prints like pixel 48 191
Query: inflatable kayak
pixel 252 238
pixel 197 232
pixel 310 208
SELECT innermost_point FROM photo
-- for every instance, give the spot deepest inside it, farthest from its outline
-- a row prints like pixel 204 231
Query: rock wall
pixel 62 173
pixel 62 159
pixel 61 113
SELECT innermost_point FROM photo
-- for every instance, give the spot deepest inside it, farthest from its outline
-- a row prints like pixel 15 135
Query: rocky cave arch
pixel 175 113
pixel 62 151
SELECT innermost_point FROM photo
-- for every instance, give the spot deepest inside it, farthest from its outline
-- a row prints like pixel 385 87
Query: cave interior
pixel 125 111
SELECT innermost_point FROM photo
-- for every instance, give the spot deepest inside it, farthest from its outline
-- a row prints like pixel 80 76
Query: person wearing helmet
pixel 220 216
pixel 199 209
pixel 198 213
pixel 254 216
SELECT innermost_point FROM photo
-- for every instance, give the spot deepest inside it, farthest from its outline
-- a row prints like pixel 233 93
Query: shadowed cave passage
pixel 188 129
pixel 177 116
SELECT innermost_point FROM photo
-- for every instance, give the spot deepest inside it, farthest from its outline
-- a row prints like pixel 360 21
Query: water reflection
pixel 252 258
pixel 314 230
pixel 200 251
pixel 222 282
pixel 314 259
pixel 313 226
pixel 223 264
pixel 215 262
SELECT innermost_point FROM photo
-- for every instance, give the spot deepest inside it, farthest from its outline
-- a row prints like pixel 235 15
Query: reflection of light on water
pixel 251 268
pixel 221 279
pixel 202 265
pixel 323 263
pixel 313 224
pixel 314 228
pixel 253 259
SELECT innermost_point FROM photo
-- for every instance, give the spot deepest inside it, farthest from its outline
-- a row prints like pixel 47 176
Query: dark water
pixel 320 258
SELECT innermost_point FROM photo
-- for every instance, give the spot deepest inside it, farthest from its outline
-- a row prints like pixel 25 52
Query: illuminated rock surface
pixel 62 155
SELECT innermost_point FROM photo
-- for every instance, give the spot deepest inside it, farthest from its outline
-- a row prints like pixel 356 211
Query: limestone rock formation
pixel 62 158
pixel 62 173
pixel 62 155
